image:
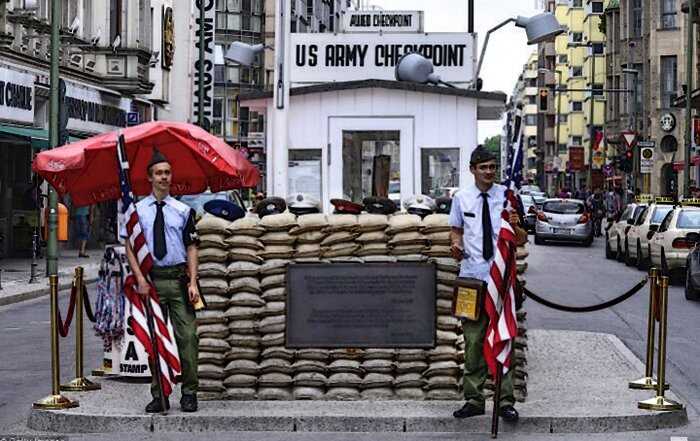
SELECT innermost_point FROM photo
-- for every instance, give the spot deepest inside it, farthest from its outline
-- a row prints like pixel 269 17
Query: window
pixel 597 7
pixel 668 14
pixel 577 71
pixel 304 172
pixel 576 3
pixel 659 214
pixel 597 90
pixel 439 171
pixel 115 19
pixel 669 73
pixel 530 120
pixel 598 48
pixel 69 10
pixel 576 106
pixel 371 164
pixel 562 148
pixel 636 18
pixel 563 118
pixel 688 220
pixel 576 37
pixel 577 140
pixel 216 116
pixel 563 59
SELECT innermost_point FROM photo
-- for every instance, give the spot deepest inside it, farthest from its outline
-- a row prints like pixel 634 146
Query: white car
pixel 616 234
pixel 669 247
pixel 648 221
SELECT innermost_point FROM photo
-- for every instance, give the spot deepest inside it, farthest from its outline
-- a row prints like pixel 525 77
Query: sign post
pixel 646 163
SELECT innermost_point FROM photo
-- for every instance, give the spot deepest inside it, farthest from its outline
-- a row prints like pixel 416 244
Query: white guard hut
pixel 353 131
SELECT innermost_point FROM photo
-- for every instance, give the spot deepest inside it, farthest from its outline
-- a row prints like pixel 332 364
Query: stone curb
pixel 72 422
pixel 40 291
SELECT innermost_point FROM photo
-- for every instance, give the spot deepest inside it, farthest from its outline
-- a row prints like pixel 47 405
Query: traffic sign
pixel 630 138
pixel 132 118
pixel 646 163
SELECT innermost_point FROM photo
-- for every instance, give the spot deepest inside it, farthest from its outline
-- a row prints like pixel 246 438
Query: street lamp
pixel 538 28
pixel 245 54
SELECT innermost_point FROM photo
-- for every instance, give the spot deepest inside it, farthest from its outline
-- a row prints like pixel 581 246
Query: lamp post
pixel 688 98
pixel 245 54
pixel 52 240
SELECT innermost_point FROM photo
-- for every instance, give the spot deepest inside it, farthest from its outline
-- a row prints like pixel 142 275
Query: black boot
pixel 156 406
pixel 188 403
pixel 509 414
pixel 468 410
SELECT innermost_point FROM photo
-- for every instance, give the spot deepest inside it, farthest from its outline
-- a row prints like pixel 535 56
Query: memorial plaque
pixel 372 305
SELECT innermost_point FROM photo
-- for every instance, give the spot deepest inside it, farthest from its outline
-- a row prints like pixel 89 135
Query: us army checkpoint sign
pixel 326 58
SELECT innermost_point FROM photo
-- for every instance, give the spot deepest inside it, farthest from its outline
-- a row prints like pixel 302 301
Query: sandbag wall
pixel 242 275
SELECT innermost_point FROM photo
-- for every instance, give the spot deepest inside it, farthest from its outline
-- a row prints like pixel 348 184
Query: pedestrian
pixel 475 220
pixel 169 228
pixel 82 217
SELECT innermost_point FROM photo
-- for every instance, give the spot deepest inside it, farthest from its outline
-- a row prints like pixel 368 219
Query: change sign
pixel 325 58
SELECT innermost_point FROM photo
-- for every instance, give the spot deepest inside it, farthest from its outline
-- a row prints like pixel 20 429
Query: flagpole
pixel 154 355
pixel 496 401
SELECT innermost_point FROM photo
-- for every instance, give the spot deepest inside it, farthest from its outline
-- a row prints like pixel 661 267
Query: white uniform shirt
pixel 466 214
pixel 175 215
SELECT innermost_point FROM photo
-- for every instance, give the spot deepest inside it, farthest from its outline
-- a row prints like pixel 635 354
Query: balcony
pixel 124 70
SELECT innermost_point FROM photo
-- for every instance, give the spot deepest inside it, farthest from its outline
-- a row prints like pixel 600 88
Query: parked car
pixel 197 201
pixel 616 233
pixel 564 220
pixel 637 243
pixel 527 189
pixel 540 197
pixel 692 272
pixel 669 247
pixel 530 208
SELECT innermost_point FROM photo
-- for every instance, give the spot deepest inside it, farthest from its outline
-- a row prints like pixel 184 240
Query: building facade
pixel 117 60
pixel 645 57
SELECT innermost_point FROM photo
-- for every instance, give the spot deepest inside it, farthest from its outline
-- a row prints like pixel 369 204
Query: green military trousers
pixel 181 314
pixel 475 369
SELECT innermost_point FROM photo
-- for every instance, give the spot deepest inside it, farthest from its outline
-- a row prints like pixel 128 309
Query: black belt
pixel 168 272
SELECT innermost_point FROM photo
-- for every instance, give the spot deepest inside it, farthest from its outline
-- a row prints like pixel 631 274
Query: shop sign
pixel 325 58
pixel 16 96
pixel 168 48
pixel 89 111
pixel 207 69
pixel 576 158
pixel 696 134
pixel 385 21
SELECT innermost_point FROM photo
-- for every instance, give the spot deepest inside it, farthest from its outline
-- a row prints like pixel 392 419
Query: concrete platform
pixel 577 384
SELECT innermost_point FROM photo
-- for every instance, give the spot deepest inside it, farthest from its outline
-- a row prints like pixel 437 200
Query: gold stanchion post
pixel 55 400
pixel 647 381
pixel 660 402
pixel 79 383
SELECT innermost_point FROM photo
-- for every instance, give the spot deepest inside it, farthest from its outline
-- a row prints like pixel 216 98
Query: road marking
pixel 679 438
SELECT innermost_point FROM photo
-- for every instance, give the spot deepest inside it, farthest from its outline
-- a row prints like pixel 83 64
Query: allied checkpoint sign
pixel 385 21
pixel 327 58
pixel 371 305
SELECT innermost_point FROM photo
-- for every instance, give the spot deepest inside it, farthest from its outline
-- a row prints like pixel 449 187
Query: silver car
pixel 564 220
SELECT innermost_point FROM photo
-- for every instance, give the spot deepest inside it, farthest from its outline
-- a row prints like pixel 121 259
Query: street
pixel 563 273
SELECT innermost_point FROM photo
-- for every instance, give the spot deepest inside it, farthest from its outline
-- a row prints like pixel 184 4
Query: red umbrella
pixel 88 171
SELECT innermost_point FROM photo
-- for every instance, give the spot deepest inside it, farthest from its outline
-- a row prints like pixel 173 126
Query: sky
pixel 507 50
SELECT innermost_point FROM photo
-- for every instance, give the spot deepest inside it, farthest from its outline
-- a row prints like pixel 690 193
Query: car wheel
pixel 608 250
pixel 640 260
pixel 664 264
pixel 690 292
pixel 618 254
pixel 628 258
pixel 538 240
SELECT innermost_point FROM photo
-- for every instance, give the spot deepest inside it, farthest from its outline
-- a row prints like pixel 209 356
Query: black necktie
pixel 486 229
pixel 159 248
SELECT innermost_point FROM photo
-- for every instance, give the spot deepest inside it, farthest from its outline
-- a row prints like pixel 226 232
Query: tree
pixel 493 144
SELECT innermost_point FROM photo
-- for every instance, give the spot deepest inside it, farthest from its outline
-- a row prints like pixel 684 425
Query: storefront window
pixel 371 164
pixel 304 172
pixel 439 171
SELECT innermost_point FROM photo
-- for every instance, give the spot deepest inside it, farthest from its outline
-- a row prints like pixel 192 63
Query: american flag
pixel 146 316
pixel 500 295
pixel 500 288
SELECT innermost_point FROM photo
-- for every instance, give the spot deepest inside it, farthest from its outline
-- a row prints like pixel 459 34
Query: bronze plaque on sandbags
pixel 370 305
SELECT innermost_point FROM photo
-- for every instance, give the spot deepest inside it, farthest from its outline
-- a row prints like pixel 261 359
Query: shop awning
pixel 39 138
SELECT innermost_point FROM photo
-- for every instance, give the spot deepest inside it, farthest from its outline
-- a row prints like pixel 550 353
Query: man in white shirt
pixel 475 218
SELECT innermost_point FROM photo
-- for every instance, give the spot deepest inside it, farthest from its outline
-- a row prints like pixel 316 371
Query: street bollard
pixel 660 402
pixel 55 400
pixel 647 382
pixel 0 278
pixel 32 272
pixel 79 383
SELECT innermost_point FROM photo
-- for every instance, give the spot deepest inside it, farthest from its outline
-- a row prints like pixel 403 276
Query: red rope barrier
pixel 63 327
